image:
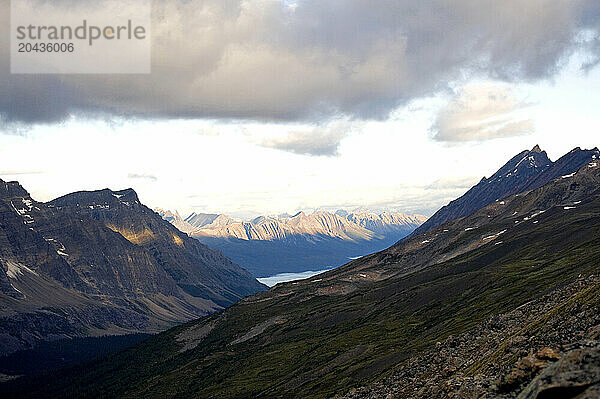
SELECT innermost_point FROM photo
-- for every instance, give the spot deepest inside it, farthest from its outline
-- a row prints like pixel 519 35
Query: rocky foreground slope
pixel 95 263
pixel 548 347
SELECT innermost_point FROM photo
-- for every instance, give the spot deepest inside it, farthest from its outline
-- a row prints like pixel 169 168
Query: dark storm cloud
pixel 266 60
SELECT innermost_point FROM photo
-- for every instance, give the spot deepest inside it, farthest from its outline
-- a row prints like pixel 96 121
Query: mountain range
pixel 499 302
pixel 269 245
pixel 100 262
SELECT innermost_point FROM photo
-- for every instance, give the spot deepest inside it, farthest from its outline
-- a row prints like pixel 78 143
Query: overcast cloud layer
pixel 313 60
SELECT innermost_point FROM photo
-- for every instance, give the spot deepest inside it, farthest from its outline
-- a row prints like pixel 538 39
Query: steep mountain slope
pixel 526 171
pixel 102 263
pixel 197 269
pixel 351 326
pixel 564 166
pixel 271 245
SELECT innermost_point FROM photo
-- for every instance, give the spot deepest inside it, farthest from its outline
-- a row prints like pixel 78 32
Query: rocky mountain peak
pixel 526 171
pixel 12 189
pixel 262 219
pixel 206 220
pixel 168 215
pixel 127 197
pixel 341 212
pixel 520 167
pixel 200 219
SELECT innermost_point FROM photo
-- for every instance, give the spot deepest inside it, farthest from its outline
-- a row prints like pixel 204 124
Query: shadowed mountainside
pixel 95 263
pixel 526 171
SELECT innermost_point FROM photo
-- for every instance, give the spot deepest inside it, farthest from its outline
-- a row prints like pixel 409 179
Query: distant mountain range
pixel 500 302
pixel 270 245
pixel 100 262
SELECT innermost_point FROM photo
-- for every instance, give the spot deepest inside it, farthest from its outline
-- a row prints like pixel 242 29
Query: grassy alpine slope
pixel 352 326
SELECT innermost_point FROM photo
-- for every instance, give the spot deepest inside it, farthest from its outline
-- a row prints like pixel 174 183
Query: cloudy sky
pixel 268 106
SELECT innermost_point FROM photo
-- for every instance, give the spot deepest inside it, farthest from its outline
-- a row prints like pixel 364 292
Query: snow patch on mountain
pixel 14 269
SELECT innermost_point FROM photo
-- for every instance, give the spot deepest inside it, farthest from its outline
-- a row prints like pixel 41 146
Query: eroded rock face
pixel 527 368
pixel 576 374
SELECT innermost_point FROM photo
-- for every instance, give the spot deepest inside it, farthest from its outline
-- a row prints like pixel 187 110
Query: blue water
pixel 283 277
